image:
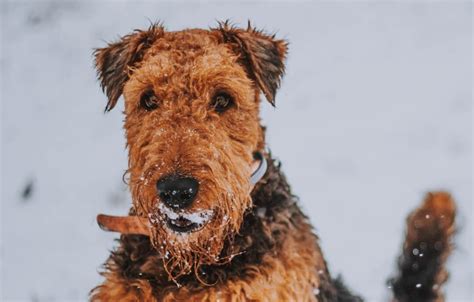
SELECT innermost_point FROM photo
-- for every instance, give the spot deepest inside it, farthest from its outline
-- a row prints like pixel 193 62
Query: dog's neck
pixel 272 201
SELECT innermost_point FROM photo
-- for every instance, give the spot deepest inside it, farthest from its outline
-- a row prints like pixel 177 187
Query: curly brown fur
pixel 255 243
pixel 184 135
pixel 274 217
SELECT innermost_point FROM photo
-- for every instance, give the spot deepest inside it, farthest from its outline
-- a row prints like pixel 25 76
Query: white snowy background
pixel 375 109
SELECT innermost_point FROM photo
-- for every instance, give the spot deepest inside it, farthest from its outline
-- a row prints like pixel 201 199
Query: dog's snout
pixel 177 192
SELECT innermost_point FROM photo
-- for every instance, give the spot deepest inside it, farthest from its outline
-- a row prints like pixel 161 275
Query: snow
pixel 375 109
pixel 316 291
pixel 198 216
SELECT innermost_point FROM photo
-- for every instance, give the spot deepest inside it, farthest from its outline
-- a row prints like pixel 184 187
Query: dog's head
pixel 192 126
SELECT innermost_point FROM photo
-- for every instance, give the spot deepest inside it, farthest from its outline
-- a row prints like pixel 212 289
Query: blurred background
pixel 374 111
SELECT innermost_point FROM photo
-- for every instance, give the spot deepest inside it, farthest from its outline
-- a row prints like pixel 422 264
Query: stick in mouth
pixel 124 224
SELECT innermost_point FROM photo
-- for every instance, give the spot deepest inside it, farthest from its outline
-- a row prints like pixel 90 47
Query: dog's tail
pixel 421 267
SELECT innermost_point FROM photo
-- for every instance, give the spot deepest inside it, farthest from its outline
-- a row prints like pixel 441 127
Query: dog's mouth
pixel 182 225
pixel 181 222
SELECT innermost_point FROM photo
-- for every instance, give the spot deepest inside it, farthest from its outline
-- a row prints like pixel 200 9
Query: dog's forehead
pixel 196 48
pixel 192 58
pixel 190 37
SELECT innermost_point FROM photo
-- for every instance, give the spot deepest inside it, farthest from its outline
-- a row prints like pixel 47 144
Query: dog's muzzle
pixel 178 222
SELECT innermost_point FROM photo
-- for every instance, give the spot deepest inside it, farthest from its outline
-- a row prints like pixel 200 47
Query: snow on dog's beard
pixel 222 199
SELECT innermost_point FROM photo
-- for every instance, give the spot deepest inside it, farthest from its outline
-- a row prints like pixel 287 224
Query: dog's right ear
pixel 113 62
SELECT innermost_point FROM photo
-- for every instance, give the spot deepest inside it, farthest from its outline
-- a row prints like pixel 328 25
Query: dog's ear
pixel 113 63
pixel 262 54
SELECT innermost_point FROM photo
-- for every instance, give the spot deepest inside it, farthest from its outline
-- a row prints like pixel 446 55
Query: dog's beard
pixel 185 253
pixel 227 198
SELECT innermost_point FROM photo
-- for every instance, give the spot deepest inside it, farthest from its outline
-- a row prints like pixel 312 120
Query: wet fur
pixel 261 241
pixel 427 246
pixel 258 246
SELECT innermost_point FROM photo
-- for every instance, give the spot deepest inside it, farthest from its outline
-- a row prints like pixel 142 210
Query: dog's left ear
pixel 262 54
pixel 113 63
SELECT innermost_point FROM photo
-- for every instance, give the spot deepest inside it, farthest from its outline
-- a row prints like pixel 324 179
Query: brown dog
pixel 204 224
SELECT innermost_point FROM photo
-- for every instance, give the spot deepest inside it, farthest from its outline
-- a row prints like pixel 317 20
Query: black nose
pixel 177 192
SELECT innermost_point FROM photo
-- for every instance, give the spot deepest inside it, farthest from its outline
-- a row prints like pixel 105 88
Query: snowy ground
pixel 374 111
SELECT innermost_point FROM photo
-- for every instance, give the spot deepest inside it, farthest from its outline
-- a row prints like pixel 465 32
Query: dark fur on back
pixel 135 258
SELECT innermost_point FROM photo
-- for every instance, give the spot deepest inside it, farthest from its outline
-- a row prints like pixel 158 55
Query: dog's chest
pixel 294 274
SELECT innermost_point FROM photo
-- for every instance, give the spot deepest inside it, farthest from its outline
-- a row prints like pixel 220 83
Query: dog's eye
pixel 222 101
pixel 148 100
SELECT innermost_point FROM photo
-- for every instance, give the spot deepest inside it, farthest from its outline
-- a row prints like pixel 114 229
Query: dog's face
pixel 192 127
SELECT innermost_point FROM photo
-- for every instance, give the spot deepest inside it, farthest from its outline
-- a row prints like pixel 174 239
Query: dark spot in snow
pixel 34 298
pixel 28 190
pixel 34 19
pixel 48 13
pixel 118 197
